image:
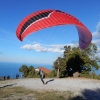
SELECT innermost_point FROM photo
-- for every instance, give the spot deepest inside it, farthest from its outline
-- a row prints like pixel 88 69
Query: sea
pixel 12 69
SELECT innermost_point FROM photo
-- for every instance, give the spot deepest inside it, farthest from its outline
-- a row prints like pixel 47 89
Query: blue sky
pixel 44 46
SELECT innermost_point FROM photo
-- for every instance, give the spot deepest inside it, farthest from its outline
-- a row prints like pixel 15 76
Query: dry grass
pixel 54 95
pixel 20 93
pixel 15 93
pixel 12 92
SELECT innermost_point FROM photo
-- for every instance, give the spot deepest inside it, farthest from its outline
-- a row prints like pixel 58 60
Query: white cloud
pixel 96 34
pixel 46 48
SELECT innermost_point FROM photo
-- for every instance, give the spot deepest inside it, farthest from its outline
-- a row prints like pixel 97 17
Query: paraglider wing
pixel 48 18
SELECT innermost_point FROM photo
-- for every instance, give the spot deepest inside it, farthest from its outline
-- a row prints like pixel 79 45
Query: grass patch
pixel 20 93
pixel 54 95
pixel 14 92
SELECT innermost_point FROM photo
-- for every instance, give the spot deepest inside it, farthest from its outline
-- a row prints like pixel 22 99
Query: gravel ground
pixel 89 88
pixel 66 84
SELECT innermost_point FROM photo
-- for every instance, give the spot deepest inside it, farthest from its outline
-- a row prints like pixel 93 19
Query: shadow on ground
pixel 88 95
pixel 8 85
pixel 49 81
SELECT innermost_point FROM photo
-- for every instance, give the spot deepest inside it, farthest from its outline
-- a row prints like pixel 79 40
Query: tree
pixel 28 71
pixel 24 69
pixel 31 71
pixel 60 67
pixel 53 73
pixel 77 60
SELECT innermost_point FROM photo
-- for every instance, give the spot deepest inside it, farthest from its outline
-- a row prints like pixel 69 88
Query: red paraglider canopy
pixel 47 18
